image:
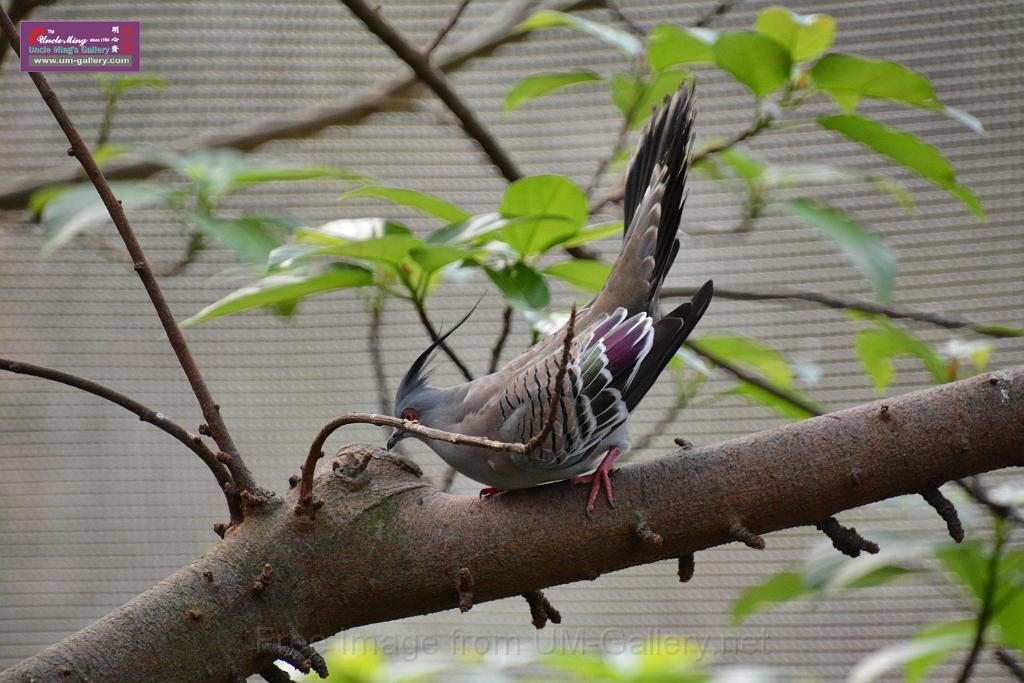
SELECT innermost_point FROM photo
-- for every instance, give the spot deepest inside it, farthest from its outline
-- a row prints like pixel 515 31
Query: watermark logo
pixel 80 46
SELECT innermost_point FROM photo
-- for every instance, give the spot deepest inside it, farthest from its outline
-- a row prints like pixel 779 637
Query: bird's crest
pixel 417 374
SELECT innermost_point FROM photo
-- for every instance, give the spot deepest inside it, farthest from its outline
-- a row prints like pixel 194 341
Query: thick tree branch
pixel 843 303
pixel 191 441
pixel 394 95
pixel 80 150
pixel 386 545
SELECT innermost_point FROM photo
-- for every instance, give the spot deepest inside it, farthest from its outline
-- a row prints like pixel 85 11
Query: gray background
pixel 95 507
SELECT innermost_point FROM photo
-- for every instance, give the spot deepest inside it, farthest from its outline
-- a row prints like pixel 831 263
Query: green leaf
pixel 829 573
pixel 521 285
pixel 389 249
pixel 536 85
pixel 583 274
pixel 754 60
pixel 593 233
pixel 282 288
pixel 80 207
pixel 251 238
pixel 38 200
pixel 804 35
pixel 781 406
pixel 425 203
pixel 554 209
pixel 847 78
pixel 919 667
pixel 668 45
pixel 866 249
pixel 468 230
pixel 925 646
pixel 122 83
pixel 876 347
pixel 750 354
pixel 344 230
pixel 626 43
pixel 635 96
pixel 999 330
pixel 433 257
pixel 780 587
pixel 108 152
pixel 906 150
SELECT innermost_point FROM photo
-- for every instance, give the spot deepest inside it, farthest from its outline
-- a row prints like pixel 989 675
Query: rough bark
pixel 387 545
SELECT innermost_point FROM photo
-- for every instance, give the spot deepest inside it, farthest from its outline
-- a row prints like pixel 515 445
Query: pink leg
pixel 598 479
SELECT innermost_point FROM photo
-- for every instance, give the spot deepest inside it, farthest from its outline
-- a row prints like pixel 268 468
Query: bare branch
pixel 1011 663
pixel 633 27
pixel 384 526
pixel 986 611
pixel 499 343
pixel 446 29
pixel 191 441
pixel 80 150
pixel 719 9
pixel 981 496
pixel 316 449
pixel 842 303
pixel 435 79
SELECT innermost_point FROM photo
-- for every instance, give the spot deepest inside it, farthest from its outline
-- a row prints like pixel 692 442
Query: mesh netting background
pixel 96 507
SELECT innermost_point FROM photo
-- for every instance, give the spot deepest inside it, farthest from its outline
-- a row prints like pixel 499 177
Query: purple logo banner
pixel 79 45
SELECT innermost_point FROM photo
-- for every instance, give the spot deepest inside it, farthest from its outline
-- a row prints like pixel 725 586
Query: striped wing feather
pixel 603 363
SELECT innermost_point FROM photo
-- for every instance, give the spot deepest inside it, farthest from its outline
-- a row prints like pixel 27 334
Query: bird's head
pixel 416 400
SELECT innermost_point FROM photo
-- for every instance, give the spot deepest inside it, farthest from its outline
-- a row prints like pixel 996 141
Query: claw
pixel 489 491
pixel 599 479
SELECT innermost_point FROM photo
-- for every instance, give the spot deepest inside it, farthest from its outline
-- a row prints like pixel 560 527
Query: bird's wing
pixel 605 359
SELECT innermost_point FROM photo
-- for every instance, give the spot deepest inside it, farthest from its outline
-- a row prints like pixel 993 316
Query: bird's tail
pixel 653 203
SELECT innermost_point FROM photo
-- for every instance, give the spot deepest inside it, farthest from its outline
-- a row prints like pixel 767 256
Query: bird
pixel 619 347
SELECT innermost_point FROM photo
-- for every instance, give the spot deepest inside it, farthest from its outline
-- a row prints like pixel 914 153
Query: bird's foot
pixel 599 479
pixel 489 491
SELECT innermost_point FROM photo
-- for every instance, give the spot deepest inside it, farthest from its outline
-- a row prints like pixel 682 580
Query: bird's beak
pixel 397 435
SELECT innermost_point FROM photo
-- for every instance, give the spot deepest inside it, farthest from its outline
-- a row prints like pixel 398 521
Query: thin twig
pixel 842 303
pixel 499 343
pixel 316 449
pixel 761 123
pixel 191 441
pixel 435 337
pixel 634 28
pixel 446 29
pixel 620 142
pixel 435 79
pixel 1012 664
pixel 79 149
pixel 751 378
pixel 986 612
pixel 720 9
pixel 377 358
pixel 981 496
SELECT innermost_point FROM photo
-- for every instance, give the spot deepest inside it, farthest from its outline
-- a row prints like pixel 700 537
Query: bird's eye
pixel 409 414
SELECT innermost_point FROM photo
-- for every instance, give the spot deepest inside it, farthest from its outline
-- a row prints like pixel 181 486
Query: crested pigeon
pixel 618 350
